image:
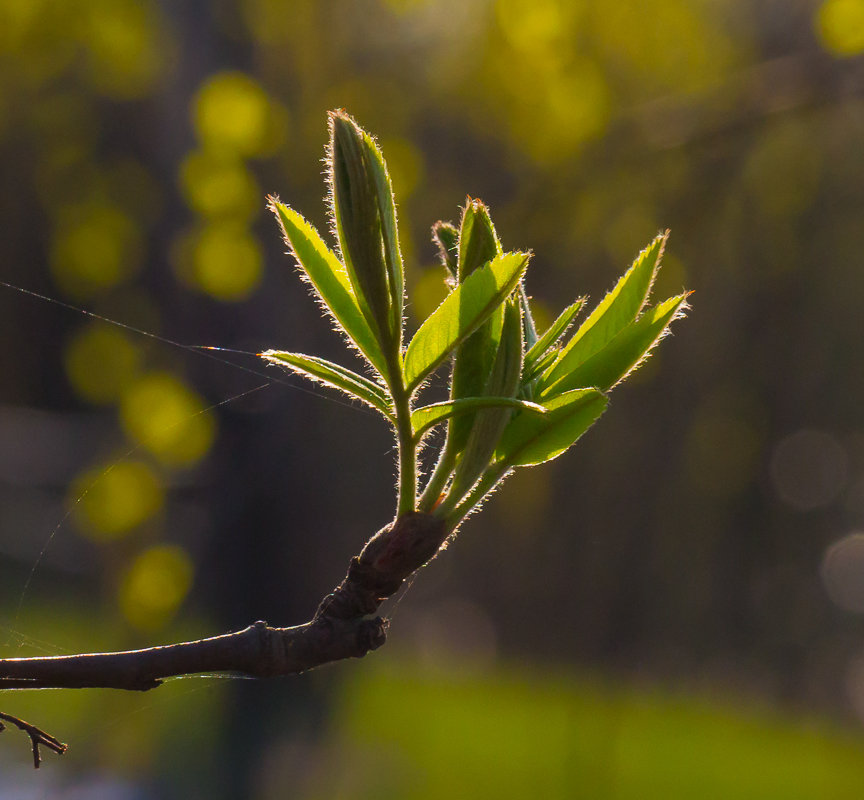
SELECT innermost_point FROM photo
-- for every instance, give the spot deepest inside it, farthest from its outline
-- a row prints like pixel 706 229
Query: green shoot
pixel 517 398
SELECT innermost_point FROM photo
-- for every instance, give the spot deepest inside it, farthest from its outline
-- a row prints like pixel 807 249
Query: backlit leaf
pixel 422 419
pixel 328 276
pixel 553 333
pixel 528 325
pixel 446 236
pixel 462 312
pixel 358 183
pixel 488 425
pixel 624 353
pixel 533 439
pixel 335 376
pixel 531 371
pixel 614 313
pixel 389 231
pixel 478 241
pixel 474 358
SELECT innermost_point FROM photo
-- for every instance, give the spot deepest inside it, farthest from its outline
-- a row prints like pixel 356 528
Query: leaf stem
pixel 491 478
pixel 438 479
pixel 404 437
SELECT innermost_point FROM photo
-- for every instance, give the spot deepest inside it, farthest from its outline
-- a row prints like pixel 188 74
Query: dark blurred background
pixel 673 608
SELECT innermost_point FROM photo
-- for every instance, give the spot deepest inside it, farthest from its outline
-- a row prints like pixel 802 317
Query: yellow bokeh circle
pixel 428 291
pixel 227 262
pixel 127 47
pixel 164 415
pixel 232 112
pixel 840 26
pixel 405 165
pixel 155 586
pixel 100 361
pixel 109 502
pixel 219 186
pixel 95 247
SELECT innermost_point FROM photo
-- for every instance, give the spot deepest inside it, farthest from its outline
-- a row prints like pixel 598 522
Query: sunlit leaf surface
pixel 319 369
pixel 426 417
pixel 623 353
pixel 461 313
pixel 331 282
pixel 617 310
pixel 534 439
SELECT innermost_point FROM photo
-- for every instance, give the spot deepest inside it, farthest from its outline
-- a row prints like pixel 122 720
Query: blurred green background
pixel 673 609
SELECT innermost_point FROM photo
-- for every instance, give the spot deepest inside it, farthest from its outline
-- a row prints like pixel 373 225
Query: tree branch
pixel 258 651
pixel 340 629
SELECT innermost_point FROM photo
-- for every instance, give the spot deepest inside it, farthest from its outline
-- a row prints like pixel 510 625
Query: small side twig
pixel 37 737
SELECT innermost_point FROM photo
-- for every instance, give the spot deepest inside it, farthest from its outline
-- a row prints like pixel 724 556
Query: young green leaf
pixel 472 365
pixel 473 245
pixel 553 333
pixel 324 271
pixel 533 439
pixel 528 324
pixel 488 425
pixel 365 222
pixel 531 371
pixel 426 417
pixel 389 231
pixel 467 307
pixel 446 236
pixel 614 313
pixel 624 353
pixel 478 241
pixel 326 372
pixel 473 359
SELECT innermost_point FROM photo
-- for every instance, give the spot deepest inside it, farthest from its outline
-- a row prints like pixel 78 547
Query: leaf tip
pixel 270 356
pixel 335 115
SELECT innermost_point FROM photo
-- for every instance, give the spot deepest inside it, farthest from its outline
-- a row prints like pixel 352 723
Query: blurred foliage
pixel 412 733
pixel 217 186
pixel 155 585
pixel 840 24
pixel 162 414
pixel 94 249
pixel 112 499
pixel 222 259
pixel 233 114
pixel 234 119
pixel 100 361
pixel 98 722
pixel 138 142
